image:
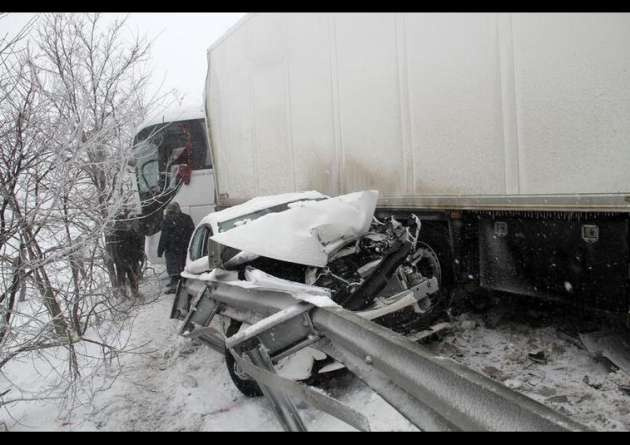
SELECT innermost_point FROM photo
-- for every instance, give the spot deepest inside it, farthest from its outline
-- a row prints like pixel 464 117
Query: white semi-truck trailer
pixel 508 134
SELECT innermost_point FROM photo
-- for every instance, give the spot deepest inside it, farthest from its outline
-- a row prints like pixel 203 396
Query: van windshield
pixel 162 150
pixel 147 167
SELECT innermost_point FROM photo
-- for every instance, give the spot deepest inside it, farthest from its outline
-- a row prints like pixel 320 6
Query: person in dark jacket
pixel 177 228
pixel 126 247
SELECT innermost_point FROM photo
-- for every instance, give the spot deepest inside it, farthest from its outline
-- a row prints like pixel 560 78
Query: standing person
pixel 126 246
pixel 134 254
pixel 177 228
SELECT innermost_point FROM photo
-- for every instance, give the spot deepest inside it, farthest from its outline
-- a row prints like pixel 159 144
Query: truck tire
pixel 434 238
pixel 437 238
pixel 247 386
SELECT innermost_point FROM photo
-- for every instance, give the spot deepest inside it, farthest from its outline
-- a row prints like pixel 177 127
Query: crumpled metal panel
pixel 307 232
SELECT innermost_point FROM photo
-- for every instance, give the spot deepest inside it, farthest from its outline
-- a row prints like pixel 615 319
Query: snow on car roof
pixel 257 204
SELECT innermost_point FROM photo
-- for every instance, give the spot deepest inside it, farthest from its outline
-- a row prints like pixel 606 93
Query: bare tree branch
pixel 71 98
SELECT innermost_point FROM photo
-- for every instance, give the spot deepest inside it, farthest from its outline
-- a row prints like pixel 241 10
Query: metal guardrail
pixel 443 394
pixel 432 392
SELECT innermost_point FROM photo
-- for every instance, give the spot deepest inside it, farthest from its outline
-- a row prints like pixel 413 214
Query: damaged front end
pixel 324 251
pixel 374 267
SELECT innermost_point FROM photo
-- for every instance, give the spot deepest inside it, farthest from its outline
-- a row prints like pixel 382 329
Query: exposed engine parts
pixel 384 261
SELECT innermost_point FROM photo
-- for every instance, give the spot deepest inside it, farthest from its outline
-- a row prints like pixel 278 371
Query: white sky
pixel 180 41
pixel 179 48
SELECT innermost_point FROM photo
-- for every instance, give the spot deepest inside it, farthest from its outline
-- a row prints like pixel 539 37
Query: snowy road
pixel 182 386
pixel 570 381
pixel 186 387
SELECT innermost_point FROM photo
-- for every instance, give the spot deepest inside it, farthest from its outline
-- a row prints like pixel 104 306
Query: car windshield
pixel 227 253
pixel 240 220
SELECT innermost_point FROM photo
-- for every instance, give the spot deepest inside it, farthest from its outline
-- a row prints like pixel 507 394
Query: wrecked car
pixel 320 249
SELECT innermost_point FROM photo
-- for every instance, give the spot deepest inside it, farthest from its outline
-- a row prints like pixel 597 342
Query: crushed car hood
pixel 308 231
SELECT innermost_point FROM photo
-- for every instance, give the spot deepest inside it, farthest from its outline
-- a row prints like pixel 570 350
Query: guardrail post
pixel 285 410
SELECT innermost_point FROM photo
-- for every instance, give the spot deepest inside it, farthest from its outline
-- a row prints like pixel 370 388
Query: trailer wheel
pixel 437 237
pixel 242 381
pixel 428 310
pixel 433 259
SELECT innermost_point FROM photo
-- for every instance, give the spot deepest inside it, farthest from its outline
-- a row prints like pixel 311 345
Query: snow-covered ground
pixel 571 382
pixel 183 386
